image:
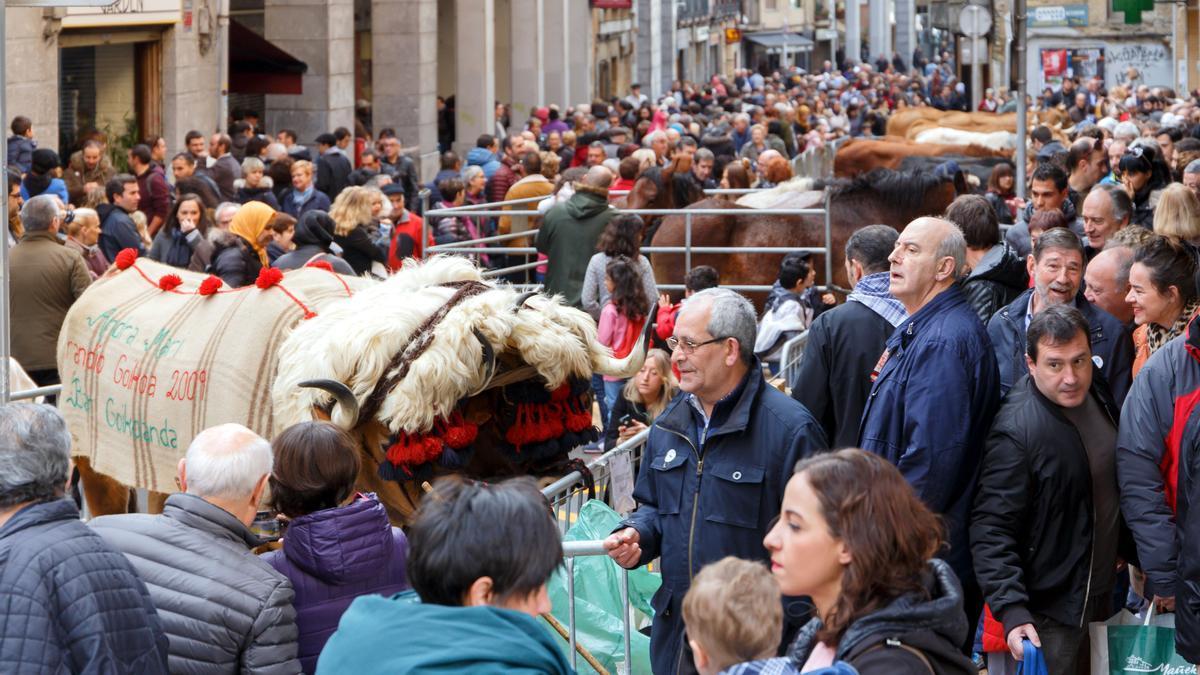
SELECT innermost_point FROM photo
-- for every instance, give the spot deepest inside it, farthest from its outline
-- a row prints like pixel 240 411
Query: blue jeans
pixel 612 390
pixel 599 394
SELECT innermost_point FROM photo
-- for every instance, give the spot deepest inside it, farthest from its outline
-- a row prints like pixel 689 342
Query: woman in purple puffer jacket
pixel 338 544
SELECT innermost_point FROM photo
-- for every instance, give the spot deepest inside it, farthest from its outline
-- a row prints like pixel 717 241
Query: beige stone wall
pixel 31 62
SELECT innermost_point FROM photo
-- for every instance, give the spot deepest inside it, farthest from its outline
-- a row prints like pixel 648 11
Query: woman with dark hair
pixel 313 240
pixel 481 555
pixel 1162 291
pixel 338 544
pixel 854 537
pixel 183 239
pixel 736 177
pixel 1144 178
pixel 621 237
pixel 1001 193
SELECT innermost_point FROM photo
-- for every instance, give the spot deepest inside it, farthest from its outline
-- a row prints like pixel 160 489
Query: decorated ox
pixel 436 371
pixel 907 123
pixel 861 155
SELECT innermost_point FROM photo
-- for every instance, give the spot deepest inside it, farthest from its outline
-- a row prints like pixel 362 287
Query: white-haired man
pixel 722 449
pixel 223 609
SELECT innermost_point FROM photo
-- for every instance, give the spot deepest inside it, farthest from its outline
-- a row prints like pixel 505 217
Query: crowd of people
pixel 1016 383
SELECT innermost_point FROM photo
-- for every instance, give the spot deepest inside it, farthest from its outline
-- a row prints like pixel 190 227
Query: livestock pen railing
pixel 486 245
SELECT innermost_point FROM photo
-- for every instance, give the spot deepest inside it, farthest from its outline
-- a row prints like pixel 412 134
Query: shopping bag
pixel 1032 661
pixel 598 606
pixel 1127 644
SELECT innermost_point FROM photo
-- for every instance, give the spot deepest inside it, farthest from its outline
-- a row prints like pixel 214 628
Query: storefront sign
pixel 612 4
pixel 733 35
pixel 124 13
pixel 1058 16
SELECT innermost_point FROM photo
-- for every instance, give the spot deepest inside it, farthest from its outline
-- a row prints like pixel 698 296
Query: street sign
pixel 975 21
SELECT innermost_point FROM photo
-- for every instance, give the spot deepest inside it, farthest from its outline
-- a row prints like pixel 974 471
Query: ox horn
pixel 345 398
pixel 630 365
pixel 489 359
pixel 520 301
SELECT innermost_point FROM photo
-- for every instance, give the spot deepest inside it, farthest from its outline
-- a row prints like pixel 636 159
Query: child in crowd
pixel 790 309
pixel 698 278
pixel 622 317
pixel 733 613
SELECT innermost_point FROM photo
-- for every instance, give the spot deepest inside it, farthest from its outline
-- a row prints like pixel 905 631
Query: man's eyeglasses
pixel 687 346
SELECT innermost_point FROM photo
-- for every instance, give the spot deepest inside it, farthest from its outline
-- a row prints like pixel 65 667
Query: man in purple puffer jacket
pixel 338 544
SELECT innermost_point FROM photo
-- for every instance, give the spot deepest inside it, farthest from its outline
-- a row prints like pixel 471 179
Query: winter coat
pixel 435 195
pixel 755 437
pixel 317 201
pixel 1158 424
pixel 263 193
pixel 224 172
pixel 312 241
pixel 397 635
pixel 192 251
pixel 621 407
pixel 20 152
pixel 482 157
pixel 526 188
pixel 1112 347
pixel 77 175
pixel 222 607
pixel 154 194
pixel 333 173
pixel 1144 203
pixel 1004 215
pixel 1187 591
pixel 1031 526
pixel 568 237
pixel 931 407
pixel 996 281
pixel 203 187
pixel 404 173
pixel 886 641
pixel 92 257
pixel 45 279
pixel 56 187
pixel 1018 235
pixel 234 261
pixel 117 232
pixel 71 603
pixel 359 249
pixel 504 178
pixel 834 378
pixel 333 556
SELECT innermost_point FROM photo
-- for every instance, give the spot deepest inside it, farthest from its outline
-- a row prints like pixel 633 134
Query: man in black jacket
pixel 71 602
pixel 1046 522
pixel 997 274
pixel 1057 272
pixel 845 343
pixel 117 229
pixel 333 168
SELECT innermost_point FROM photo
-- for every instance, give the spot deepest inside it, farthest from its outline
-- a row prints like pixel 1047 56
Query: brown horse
pixel 861 155
pixel 881 196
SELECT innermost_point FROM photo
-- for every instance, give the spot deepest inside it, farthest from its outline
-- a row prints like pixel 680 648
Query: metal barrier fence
pixel 484 245
pixel 571 550
pixel 791 357
pixel 817 162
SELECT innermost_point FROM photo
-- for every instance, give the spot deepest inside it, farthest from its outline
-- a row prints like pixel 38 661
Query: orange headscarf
pixel 249 222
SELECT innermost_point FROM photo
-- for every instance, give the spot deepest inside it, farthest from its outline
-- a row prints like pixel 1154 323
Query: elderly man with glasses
pixel 715 464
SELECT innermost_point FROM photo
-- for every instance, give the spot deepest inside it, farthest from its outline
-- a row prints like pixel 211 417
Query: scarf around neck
pixel 1157 336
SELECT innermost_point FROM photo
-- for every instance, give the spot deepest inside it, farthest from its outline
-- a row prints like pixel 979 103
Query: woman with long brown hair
pixel 1002 193
pixel 854 537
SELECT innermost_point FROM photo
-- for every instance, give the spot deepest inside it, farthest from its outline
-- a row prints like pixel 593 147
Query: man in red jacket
pixel 406 230
pixel 513 147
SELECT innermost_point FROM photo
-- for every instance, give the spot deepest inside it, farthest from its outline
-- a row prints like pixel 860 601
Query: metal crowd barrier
pixel 29 394
pixel 791 357
pixel 483 245
pixel 571 550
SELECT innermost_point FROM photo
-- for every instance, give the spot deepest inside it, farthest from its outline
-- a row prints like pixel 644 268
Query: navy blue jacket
pixel 118 232
pixel 930 410
pixel 69 602
pixel 1111 344
pixel 701 499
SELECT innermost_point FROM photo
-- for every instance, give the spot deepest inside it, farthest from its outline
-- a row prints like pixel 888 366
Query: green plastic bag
pixel 598 621
pixel 1126 644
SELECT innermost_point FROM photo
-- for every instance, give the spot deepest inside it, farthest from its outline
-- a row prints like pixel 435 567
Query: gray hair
pixel 1122 205
pixel 954 245
pixel 251 164
pixel 704 154
pixel 39 213
pixel 470 172
pixel 35 453
pixel 1125 131
pixel 732 316
pixel 227 462
pixel 221 208
pixel 1193 166
pixel 652 137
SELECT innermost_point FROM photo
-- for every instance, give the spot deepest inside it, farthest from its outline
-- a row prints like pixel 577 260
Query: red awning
pixel 258 67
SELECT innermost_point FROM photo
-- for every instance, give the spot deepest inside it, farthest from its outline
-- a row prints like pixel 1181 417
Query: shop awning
pixel 778 40
pixel 258 67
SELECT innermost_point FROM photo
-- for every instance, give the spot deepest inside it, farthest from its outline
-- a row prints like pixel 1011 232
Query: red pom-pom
pixel 169 282
pixel 126 258
pixel 321 265
pixel 268 277
pixel 210 285
pixel 461 435
pixel 414 450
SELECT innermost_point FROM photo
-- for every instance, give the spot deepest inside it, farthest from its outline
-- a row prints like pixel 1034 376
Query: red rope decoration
pixel 321 265
pixel 170 282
